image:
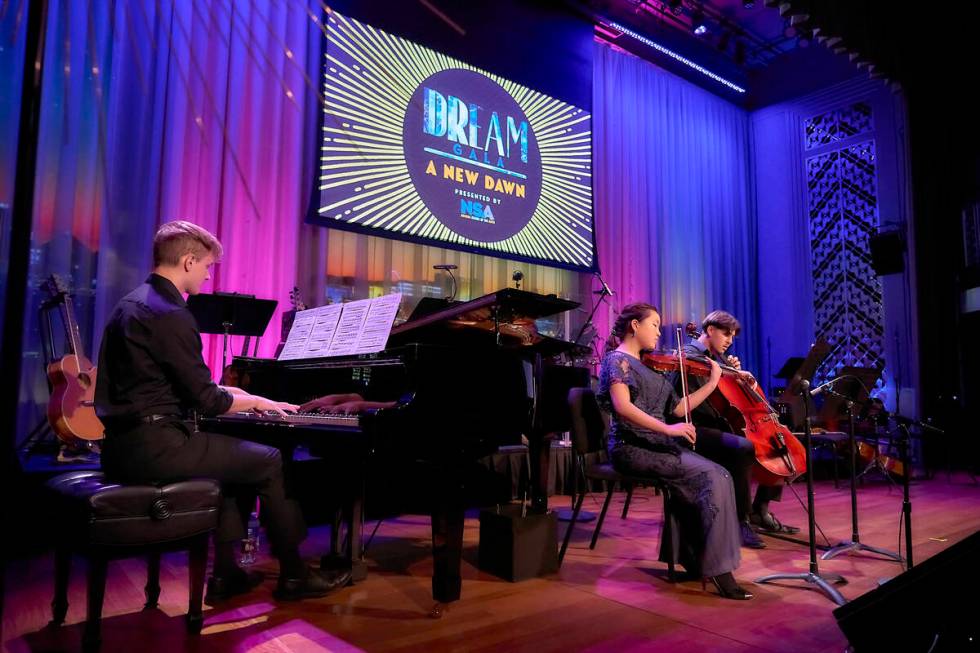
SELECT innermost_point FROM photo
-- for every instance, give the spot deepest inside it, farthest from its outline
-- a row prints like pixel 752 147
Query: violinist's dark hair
pixel 721 320
pixel 637 311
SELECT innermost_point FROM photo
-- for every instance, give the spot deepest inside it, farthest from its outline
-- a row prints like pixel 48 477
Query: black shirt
pixel 150 362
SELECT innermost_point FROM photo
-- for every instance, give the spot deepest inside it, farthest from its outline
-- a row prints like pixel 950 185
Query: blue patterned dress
pixel 706 537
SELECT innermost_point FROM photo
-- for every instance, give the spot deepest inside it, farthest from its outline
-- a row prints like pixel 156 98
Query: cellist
pixel 716 442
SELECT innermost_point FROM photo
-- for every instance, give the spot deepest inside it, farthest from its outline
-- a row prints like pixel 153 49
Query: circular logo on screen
pixel 472 155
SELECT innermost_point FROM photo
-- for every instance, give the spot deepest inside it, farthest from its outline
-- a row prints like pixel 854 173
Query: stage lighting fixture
pixel 698 24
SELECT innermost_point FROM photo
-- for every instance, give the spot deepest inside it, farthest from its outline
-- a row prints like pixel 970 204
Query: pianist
pixel 151 375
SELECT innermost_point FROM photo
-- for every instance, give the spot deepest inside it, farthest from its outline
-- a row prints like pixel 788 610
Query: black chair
pixel 107 521
pixel 588 430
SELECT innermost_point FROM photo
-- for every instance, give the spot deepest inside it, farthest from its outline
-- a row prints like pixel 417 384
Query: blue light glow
pixel 673 55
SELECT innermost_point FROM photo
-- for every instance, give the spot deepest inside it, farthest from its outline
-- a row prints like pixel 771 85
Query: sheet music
pixel 299 333
pixel 359 327
pixel 323 331
pixel 377 325
pixel 349 330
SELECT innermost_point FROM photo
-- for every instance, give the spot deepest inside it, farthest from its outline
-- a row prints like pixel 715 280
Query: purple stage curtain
pixel 675 221
pixel 154 111
pixel 205 111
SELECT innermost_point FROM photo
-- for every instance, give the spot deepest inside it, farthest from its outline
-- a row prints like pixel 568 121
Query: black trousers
pixel 736 454
pixel 170 449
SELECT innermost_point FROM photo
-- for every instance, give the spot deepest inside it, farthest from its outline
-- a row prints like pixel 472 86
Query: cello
pixel 739 401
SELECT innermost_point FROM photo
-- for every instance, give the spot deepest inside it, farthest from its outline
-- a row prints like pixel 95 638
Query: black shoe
pixel 312 586
pixel 221 588
pixel 749 539
pixel 728 587
pixel 768 523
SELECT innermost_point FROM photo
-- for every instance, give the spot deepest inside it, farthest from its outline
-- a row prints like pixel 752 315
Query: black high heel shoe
pixel 727 587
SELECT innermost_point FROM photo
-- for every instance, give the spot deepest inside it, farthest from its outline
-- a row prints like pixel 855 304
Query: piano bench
pixel 105 521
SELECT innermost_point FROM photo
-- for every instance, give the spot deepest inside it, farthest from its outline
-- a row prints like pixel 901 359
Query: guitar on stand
pixel 71 409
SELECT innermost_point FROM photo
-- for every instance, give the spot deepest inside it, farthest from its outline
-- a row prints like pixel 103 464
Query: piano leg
pixel 447 547
pixel 354 546
pixel 352 515
pixel 338 521
pixel 539 453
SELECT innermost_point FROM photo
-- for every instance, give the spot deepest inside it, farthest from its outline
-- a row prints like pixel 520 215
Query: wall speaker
pixel 887 252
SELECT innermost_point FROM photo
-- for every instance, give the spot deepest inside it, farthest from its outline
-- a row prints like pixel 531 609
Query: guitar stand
pixel 876 466
pixel 39 435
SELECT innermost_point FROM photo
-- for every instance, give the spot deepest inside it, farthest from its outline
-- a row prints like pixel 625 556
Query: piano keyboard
pixel 300 419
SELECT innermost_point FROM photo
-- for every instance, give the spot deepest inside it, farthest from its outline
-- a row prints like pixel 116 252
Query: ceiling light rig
pixel 677 57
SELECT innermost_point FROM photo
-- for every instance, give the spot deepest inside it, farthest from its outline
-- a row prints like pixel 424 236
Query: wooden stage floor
pixel 615 598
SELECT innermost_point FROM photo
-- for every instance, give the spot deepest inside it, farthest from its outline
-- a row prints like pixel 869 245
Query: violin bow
pixel 680 366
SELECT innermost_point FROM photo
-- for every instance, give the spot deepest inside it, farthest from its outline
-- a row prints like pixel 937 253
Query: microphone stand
pixel 603 293
pixel 812 577
pixel 904 446
pixel 855 543
pixel 565 514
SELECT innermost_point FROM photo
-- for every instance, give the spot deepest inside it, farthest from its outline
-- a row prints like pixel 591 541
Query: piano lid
pixel 510 311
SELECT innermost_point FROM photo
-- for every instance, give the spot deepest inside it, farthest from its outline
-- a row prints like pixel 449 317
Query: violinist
pixel 642 443
pixel 715 440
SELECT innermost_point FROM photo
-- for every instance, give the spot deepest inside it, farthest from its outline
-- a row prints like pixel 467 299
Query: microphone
pixel 449 267
pixel 605 287
pixel 823 386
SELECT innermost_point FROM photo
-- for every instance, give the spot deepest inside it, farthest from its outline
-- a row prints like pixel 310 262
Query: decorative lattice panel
pixel 854 120
pixel 843 209
pixel 837 125
pixel 821 130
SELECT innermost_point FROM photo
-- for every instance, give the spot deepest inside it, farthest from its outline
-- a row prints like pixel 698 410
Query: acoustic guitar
pixel 71 409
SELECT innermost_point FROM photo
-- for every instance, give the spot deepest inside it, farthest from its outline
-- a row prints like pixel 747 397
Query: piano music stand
pixel 231 314
pixel 853 387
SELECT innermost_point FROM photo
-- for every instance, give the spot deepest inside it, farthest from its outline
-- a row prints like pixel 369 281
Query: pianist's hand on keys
pixel 343 404
pixel 263 405
pixel 326 403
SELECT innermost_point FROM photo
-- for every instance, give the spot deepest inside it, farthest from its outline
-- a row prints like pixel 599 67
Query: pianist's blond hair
pixel 175 239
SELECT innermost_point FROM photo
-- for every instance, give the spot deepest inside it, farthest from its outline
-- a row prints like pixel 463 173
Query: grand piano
pixel 467 378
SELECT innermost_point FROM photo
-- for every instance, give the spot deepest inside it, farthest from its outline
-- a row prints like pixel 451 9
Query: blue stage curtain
pixel 13 29
pixel 675 221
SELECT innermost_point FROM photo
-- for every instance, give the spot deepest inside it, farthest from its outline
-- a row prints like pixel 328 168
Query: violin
pixel 738 400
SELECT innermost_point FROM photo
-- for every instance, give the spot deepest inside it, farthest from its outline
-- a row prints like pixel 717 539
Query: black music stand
pixel 789 368
pixel 852 390
pixel 231 314
pixel 804 372
pixel 824 582
pixel 854 385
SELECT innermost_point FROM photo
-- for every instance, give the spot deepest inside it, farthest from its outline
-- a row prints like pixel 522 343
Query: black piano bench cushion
pixel 98 512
